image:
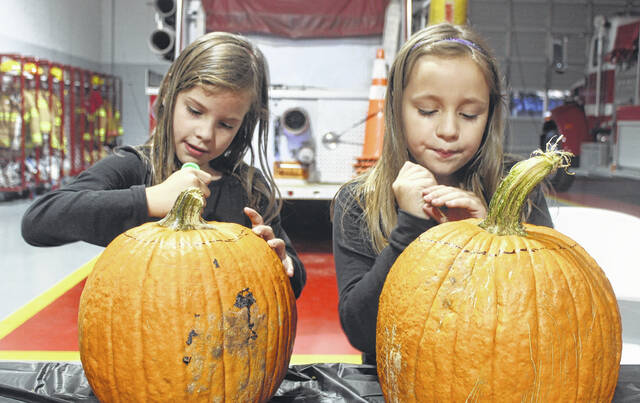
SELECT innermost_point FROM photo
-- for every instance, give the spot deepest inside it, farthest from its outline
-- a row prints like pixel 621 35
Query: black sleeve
pixel 299 278
pixel 96 206
pixel 360 272
pixel 539 214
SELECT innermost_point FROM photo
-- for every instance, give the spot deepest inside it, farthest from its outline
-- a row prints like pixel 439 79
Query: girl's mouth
pixel 194 151
pixel 444 153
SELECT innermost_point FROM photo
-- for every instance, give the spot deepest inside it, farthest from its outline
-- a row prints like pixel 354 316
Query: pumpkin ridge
pixel 537 359
pixel 268 384
pixel 495 243
pixel 112 375
pixel 260 296
pixel 204 331
pixel 208 329
pixel 475 392
pixel 211 279
pixel 589 280
pixel 142 321
pixel 576 321
pixel 250 289
pixel 419 345
pixel 258 290
pixel 560 261
pixel 539 316
pixel 549 278
pixel 595 288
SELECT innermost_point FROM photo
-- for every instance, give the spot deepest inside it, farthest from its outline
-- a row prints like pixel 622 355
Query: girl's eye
pixel 193 111
pixel 469 116
pixel 426 112
pixel 226 125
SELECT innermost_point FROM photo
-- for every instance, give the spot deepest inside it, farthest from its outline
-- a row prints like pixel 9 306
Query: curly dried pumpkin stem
pixel 505 208
pixel 186 212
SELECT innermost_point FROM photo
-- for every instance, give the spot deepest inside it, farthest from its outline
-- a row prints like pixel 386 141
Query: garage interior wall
pixel 520 33
pixel 111 36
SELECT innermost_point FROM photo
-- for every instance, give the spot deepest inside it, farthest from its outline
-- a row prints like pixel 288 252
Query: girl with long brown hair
pixel 442 159
pixel 209 104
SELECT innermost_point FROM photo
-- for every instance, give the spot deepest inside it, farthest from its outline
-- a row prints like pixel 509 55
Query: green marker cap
pixel 190 165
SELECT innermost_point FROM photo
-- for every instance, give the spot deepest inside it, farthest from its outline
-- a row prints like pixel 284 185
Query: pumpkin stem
pixel 505 208
pixel 186 212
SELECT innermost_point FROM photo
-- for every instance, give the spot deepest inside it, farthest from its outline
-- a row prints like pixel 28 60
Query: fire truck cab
pixel 603 116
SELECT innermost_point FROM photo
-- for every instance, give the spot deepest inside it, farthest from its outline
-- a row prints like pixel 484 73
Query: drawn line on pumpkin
pixel 506 252
pixel 230 238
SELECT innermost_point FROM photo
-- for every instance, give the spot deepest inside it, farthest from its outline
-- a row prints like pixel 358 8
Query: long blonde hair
pixel 481 175
pixel 230 62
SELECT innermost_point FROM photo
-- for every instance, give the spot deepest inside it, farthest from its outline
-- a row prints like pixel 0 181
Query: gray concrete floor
pixel 28 271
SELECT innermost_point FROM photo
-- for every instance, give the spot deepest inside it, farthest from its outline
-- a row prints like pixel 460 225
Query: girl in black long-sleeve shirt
pixel 209 104
pixel 442 159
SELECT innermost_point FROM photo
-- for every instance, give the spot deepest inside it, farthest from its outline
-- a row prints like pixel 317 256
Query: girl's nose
pixel 205 131
pixel 447 127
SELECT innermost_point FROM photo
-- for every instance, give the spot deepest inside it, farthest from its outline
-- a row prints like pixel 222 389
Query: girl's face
pixel 205 122
pixel 445 108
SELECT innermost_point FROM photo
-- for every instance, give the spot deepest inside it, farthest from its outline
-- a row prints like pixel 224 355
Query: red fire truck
pixel 605 109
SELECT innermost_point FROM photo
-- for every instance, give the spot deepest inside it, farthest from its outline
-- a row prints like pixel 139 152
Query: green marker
pixel 190 165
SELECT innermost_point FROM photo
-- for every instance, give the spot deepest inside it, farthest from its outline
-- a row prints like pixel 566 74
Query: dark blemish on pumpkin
pixel 186 360
pixel 216 352
pixel 453 280
pixel 215 263
pixel 197 315
pixel 192 334
pixel 245 299
pixel 446 303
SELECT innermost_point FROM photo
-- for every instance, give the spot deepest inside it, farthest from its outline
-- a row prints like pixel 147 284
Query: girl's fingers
pixel 288 266
pixel 278 246
pixel 264 231
pixel 436 213
pixel 254 216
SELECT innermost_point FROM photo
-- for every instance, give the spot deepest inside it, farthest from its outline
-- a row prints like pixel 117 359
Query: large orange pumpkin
pixel 184 310
pixel 498 311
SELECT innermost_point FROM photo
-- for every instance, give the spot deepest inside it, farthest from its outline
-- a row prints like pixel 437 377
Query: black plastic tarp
pixel 322 383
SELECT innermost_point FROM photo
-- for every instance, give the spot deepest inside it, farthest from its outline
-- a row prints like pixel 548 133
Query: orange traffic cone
pixel 374 127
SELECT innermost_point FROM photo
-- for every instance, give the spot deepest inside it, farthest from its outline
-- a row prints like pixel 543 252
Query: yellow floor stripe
pixel 58 356
pixel 27 311
pixel 325 358
pixel 296 359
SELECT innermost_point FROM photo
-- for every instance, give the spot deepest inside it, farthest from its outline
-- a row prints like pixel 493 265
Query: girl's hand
pixel 266 232
pixel 408 188
pixel 161 197
pixel 459 204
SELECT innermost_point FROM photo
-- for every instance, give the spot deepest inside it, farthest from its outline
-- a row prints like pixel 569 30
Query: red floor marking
pixel 55 327
pixel 319 330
